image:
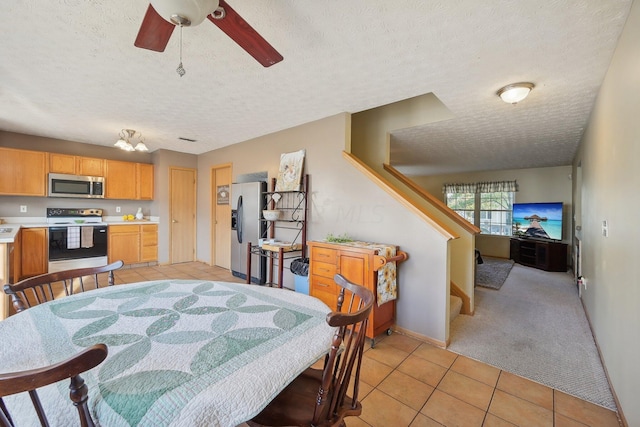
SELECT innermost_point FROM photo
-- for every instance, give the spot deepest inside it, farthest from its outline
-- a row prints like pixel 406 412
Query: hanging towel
pixel 86 237
pixel 387 286
pixel 73 237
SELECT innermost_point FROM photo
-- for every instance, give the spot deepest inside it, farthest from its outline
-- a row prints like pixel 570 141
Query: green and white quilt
pixel 181 353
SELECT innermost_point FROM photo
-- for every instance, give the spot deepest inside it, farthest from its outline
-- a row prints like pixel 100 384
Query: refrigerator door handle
pixel 239 220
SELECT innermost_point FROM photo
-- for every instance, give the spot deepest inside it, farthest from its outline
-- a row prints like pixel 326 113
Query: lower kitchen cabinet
pixel 33 252
pixel 133 243
pixel 149 240
pixel 358 266
pixel 124 243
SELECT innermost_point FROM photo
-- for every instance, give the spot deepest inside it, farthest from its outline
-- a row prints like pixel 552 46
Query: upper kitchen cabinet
pixel 128 180
pixel 75 165
pixel 22 172
pixel 145 181
pixel 120 180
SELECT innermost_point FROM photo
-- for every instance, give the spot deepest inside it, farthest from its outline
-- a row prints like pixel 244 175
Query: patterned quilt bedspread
pixel 181 352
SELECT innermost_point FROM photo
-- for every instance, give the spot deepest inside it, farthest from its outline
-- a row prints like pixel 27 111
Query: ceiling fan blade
pixel 154 32
pixel 242 33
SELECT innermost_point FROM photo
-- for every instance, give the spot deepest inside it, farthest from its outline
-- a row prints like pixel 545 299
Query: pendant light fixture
pixel 515 92
pixel 124 143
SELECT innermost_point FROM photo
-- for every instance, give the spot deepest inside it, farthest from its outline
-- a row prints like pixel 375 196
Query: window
pixel 464 204
pixel 496 213
pixel 488 205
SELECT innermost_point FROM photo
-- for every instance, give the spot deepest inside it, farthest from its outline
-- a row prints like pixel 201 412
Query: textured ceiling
pixel 69 70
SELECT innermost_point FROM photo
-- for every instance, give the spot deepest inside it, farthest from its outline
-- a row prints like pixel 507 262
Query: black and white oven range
pixel 77 238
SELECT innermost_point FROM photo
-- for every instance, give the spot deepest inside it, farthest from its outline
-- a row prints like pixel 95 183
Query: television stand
pixel 542 254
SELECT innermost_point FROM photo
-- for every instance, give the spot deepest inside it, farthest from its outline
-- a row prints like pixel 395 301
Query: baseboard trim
pixel 621 417
pixel 420 337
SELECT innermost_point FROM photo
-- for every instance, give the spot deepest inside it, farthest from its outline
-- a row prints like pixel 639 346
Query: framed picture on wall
pixel 223 195
pixel 290 172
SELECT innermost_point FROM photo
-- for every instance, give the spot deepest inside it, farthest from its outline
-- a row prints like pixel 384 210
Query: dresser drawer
pixel 323 269
pixel 329 256
pixel 323 284
pixel 328 298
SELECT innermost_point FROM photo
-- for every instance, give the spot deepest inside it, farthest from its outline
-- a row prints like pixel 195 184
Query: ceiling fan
pixel 164 15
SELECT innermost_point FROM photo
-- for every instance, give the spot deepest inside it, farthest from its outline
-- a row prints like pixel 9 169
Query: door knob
pixel 174 220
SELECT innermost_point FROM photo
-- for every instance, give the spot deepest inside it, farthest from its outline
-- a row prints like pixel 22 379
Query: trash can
pixel 300 269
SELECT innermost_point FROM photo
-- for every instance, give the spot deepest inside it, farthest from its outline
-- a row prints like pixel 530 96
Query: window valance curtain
pixel 481 187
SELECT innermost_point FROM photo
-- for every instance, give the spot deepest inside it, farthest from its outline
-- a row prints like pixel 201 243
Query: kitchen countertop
pixel 16 223
pixel 9 236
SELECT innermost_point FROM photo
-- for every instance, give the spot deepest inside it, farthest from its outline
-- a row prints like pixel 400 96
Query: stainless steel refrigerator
pixel 247 202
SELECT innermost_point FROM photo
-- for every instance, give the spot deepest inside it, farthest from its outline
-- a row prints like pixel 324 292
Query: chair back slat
pixel 71 368
pixel 38 289
pixel 37 405
pixel 5 418
pixel 345 354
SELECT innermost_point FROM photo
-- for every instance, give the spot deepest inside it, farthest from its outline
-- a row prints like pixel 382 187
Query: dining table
pixel 181 352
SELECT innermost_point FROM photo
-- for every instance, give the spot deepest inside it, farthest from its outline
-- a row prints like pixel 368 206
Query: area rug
pixel 493 272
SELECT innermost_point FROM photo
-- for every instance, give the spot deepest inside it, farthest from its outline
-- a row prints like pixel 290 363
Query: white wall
pixel 609 155
pixel 345 201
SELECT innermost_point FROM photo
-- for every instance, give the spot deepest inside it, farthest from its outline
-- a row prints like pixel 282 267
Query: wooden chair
pixel 29 381
pixel 318 397
pixel 38 289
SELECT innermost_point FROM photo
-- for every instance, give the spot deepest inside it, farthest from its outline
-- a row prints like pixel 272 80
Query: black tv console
pixel 542 254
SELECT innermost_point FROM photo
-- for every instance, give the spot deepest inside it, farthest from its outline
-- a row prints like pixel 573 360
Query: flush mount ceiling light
pixel 124 143
pixel 516 92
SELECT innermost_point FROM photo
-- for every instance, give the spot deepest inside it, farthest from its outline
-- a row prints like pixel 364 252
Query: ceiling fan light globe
pixel 121 143
pixel 194 11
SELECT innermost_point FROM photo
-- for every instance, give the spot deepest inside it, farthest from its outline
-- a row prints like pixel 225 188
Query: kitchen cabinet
pixel 128 180
pixel 359 264
pixel 124 243
pixel 149 242
pixel 145 181
pixel 23 172
pixel 120 180
pixel 75 165
pixel 133 243
pixel 33 252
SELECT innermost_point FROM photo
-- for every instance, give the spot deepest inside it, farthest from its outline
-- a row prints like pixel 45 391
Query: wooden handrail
pixel 436 203
pixel 379 261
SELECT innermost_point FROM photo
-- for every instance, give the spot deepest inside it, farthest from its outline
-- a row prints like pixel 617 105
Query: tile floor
pixel 406 382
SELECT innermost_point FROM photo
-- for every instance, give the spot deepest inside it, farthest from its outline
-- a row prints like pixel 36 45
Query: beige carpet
pixel 535 327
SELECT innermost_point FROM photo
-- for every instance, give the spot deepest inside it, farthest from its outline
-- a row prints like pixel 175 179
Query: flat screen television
pixel 538 220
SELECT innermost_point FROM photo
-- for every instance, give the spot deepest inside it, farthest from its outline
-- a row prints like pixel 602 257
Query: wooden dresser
pixel 357 264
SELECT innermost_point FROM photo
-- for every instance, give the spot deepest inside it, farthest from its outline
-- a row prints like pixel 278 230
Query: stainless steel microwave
pixel 79 186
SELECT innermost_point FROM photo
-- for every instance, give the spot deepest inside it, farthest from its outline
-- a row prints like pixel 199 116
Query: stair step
pixel 455 305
